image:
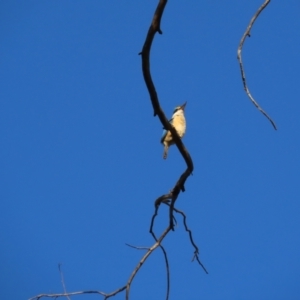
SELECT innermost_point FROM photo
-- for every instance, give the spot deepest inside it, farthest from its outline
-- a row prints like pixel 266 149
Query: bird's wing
pixel 163 135
pixel 165 131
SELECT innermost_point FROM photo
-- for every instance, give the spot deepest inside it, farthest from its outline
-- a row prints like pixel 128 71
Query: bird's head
pixel 180 107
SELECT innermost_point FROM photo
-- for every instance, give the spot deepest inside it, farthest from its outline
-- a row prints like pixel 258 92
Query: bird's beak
pixel 183 105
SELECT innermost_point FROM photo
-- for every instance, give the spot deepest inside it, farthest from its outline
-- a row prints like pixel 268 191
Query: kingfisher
pixel 178 122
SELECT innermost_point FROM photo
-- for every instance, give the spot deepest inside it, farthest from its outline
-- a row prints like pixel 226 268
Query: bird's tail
pixel 165 152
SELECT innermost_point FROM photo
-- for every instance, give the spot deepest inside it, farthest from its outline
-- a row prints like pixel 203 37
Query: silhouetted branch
pixel 155 27
pixel 167 268
pixel 157 244
pixel 166 260
pixel 169 198
pixel 162 248
pixel 196 252
pixel 239 56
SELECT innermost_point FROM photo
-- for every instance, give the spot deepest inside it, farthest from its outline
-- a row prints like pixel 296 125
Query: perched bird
pixel 178 122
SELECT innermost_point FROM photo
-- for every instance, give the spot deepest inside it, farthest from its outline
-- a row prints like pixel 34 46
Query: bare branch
pixel 68 294
pixel 196 252
pixel 62 280
pixel 168 199
pixel 239 57
pixel 155 27
pixel 179 186
pixel 126 287
pixel 166 261
pixel 168 271
pixel 157 244
pixel 138 248
pixel 163 250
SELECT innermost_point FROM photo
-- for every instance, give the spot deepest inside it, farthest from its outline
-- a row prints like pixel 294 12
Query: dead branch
pixel 138 248
pixel 196 252
pixel 239 57
pixel 40 296
pixel 157 244
pixel 162 248
pixel 125 287
pixel 168 199
pixel 62 280
pixel 179 186
pixel 155 27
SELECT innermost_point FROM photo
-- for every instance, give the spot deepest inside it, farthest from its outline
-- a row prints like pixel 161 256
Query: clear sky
pixel 81 160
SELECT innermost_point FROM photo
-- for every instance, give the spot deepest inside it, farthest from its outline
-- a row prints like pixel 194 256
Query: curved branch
pixel 196 252
pixel 155 27
pixel 157 244
pixel 166 261
pixel 179 186
pixel 162 248
pixel 76 293
pixel 239 57
pixel 126 287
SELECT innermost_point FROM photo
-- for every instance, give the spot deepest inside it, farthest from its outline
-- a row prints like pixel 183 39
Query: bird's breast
pixel 180 125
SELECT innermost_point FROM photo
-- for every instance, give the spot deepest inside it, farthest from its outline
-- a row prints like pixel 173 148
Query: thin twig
pixel 138 248
pixel 165 256
pixel 239 57
pixel 126 287
pixel 164 252
pixel 168 271
pixel 196 252
pixel 157 244
pixel 68 294
pixel 62 280
pixel 106 296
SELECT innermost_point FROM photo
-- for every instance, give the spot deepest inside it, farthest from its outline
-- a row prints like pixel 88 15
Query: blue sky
pixel 81 162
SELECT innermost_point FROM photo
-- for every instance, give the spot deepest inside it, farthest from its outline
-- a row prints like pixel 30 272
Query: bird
pixel 179 123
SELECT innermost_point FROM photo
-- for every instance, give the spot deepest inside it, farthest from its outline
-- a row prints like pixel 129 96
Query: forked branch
pixel 153 29
pixel 169 198
pixel 239 56
pixel 126 287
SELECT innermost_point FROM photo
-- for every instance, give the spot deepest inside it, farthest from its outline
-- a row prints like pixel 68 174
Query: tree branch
pixel 196 252
pixel 168 198
pixel 62 280
pixel 155 27
pixel 239 57
pixel 157 244
pixel 129 281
